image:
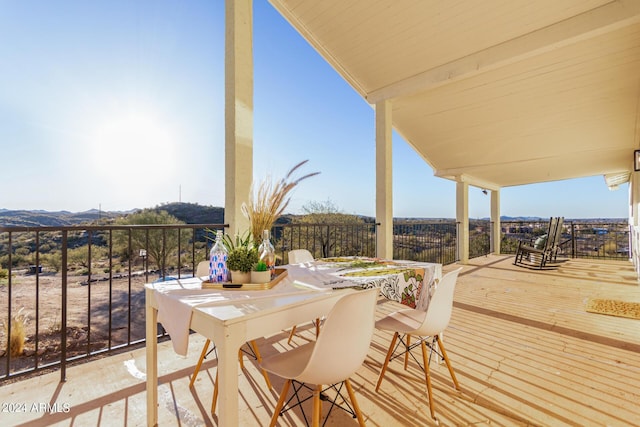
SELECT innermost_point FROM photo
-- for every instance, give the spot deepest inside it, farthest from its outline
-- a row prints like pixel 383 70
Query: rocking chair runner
pixel 532 256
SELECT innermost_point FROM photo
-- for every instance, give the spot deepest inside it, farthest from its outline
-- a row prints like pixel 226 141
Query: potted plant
pixel 240 261
pixel 260 273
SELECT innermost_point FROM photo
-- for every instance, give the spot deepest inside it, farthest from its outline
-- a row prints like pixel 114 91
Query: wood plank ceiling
pixel 495 92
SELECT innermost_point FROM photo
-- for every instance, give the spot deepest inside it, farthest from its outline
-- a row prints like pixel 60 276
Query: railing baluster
pixel 37 326
pixel 89 235
pixel 9 299
pixel 63 320
pixel 110 332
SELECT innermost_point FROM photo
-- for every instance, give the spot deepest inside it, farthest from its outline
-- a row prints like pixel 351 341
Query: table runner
pixel 401 281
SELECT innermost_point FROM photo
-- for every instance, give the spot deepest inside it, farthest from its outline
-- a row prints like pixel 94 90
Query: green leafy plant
pixel 240 241
pixel 242 259
pixel 260 266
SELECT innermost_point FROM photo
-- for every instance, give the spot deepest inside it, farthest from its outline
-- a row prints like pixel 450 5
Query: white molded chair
pixel 338 352
pixel 428 325
pixel 202 269
pixel 299 256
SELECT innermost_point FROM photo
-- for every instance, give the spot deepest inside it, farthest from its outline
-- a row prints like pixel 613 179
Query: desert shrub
pixel 53 260
pixel 18 334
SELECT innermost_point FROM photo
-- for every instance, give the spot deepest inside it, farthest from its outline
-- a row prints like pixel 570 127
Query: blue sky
pixel 120 104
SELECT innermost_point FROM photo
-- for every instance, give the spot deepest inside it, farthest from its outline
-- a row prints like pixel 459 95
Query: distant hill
pixel 38 218
pixel 193 213
pixel 189 213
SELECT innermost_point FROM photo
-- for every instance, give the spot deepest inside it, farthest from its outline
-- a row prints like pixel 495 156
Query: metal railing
pixel 72 292
pixel 325 240
pixel 579 239
pixel 427 241
pixel 95 275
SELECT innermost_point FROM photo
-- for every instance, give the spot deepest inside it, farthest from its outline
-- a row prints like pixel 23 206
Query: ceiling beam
pixel 609 17
pixel 471 180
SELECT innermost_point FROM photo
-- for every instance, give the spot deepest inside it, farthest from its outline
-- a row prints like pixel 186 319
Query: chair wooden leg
pixel 317 327
pixel 386 360
pixel 199 364
pixel 215 395
pixel 356 408
pixel 240 359
pixel 315 421
pixel 259 358
pixel 280 404
pixel 427 374
pixel 406 354
pixel 293 331
pixel 446 359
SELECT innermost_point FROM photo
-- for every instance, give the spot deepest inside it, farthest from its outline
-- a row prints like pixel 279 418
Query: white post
pixel 462 219
pixel 384 180
pixel 238 111
pixel 495 221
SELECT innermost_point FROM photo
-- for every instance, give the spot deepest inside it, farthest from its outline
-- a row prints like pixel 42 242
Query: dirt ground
pixel 90 311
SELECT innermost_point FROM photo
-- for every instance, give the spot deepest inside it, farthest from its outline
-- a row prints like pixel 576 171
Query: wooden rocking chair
pixel 530 256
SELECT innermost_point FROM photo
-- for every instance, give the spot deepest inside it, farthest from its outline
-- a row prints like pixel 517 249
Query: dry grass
pixel 269 200
pixel 18 334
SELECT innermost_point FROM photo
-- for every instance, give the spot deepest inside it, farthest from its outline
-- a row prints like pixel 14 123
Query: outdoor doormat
pixel 614 307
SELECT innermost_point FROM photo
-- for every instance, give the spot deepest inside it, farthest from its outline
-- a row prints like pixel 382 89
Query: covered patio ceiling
pixel 494 93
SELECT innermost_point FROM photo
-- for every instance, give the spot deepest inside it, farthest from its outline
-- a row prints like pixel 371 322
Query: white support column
pixel 634 212
pixel 238 111
pixel 462 219
pixel 634 198
pixel 384 191
pixel 495 221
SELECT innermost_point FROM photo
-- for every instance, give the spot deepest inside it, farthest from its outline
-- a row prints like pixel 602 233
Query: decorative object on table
pixel 260 273
pixel 427 326
pixel 268 201
pixel 267 253
pixel 240 261
pixel 281 273
pixel 218 271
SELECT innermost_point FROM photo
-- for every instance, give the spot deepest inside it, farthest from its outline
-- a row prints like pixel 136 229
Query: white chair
pixel 202 269
pixel 299 256
pixel 428 325
pixel 338 352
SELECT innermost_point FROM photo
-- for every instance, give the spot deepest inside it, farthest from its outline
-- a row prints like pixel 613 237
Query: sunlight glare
pixel 133 147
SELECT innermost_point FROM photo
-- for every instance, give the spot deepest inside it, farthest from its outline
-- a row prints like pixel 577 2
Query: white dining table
pixel 229 318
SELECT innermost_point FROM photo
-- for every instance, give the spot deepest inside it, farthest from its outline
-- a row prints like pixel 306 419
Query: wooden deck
pixel 524 350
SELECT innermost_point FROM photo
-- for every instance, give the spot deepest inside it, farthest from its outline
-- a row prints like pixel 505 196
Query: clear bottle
pixel 218 271
pixel 267 252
